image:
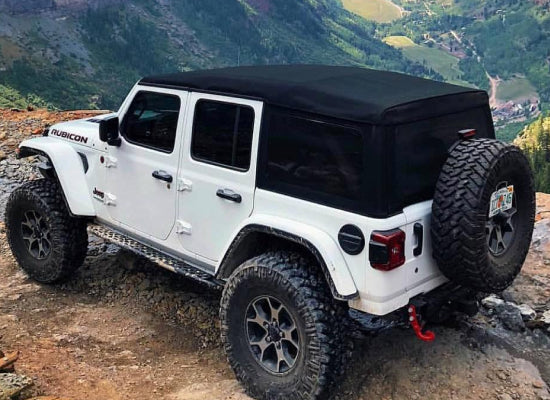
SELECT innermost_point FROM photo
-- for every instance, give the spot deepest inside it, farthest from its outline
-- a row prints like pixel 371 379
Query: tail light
pixel 387 249
pixel 467 133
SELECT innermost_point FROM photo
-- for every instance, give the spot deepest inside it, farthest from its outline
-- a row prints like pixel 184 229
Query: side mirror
pixel 108 131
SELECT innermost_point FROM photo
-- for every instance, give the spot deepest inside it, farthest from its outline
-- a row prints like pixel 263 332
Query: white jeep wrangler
pixel 302 191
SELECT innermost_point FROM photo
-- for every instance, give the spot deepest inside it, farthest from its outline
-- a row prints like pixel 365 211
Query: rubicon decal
pixel 70 136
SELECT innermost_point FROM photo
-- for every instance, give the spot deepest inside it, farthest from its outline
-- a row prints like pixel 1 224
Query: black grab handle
pixel 163 176
pixel 229 195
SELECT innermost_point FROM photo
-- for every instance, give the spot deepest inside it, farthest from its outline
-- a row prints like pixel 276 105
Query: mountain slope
pixel 534 140
pixel 88 54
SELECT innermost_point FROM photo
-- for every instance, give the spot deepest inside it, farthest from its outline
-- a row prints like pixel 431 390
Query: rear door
pixel 218 171
pixel 141 173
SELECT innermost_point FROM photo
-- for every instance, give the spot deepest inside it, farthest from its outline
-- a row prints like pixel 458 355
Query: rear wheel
pixel 282 330
pixel 46 241
pixel 483 214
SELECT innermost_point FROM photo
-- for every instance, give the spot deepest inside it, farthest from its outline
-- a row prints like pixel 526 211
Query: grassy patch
pixel 10 97
pixel 517 89
pixel 438 60
pixel 376 10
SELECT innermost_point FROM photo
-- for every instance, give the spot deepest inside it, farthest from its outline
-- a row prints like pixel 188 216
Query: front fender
pixel 320 243
pixel 69 171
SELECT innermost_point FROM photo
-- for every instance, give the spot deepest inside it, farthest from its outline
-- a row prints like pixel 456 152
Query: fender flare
pixel 319 243
pixel 69 172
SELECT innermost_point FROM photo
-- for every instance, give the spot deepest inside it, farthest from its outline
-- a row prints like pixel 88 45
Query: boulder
pixel 491 302
pixel 527 313
pixel 510 316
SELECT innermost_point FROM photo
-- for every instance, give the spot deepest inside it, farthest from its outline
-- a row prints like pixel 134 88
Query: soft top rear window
pixel 421 150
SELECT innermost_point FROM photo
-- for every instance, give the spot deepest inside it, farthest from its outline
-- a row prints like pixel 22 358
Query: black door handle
pixel 163 176
pixel 228 194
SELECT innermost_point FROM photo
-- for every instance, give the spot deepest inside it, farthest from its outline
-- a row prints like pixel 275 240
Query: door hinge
pixel 110 162
pixel 110 199
pixel 183 228
pixel 184 185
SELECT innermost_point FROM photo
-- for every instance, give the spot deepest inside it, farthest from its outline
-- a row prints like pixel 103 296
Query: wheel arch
pixel 67 168
pixel 256 238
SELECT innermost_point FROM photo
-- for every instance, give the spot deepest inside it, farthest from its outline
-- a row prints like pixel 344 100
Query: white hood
pixel 84 132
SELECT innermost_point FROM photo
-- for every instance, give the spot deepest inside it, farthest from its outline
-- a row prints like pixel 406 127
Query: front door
pixel 218 171
pixel 141 173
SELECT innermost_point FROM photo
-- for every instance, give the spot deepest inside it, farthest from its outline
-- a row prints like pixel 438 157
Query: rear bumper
pixel 382 306
pixel 433 307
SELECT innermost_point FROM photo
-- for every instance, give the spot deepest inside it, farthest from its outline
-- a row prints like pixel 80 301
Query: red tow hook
pixel 427 336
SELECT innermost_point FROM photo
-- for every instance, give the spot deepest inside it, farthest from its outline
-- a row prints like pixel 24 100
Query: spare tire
pixel 476 244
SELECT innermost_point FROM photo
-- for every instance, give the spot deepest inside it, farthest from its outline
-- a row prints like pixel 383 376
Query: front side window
pixel 222 134
pixel 315 160
pixel 152 121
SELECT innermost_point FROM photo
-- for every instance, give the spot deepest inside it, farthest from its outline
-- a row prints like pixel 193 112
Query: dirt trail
pixel 122 328
pixel 493 92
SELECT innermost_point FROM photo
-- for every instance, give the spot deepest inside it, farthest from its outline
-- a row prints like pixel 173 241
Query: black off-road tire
pixel 67 235
pixel 460 214
pixel 321 323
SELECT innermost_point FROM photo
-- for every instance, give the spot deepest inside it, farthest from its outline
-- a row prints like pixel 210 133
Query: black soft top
pixel 350 93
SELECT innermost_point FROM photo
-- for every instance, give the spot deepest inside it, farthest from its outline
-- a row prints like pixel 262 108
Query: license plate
pixel 501 200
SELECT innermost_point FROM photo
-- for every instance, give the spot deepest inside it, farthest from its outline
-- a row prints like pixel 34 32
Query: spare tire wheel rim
pixel 272 334
pixel 36 234
pixel 500 227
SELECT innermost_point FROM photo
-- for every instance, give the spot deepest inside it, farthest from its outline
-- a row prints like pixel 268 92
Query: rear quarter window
pixel 313 159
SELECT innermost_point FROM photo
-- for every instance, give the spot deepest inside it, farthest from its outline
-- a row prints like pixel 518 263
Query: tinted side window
pixel 315 157
pixel 222 134
pixel 152 120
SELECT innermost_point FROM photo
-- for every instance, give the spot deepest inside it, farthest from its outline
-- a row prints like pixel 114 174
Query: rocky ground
pixel 125 329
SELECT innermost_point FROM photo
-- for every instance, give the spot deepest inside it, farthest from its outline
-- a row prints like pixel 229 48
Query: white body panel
pixel 138 200
pixel 211 220
pixel 188 220
pixel 379 292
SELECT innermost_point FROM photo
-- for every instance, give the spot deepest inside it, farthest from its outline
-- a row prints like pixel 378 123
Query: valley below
pixel 123 328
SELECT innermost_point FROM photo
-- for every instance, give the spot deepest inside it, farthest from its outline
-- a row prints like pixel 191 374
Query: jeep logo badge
pixel 98 194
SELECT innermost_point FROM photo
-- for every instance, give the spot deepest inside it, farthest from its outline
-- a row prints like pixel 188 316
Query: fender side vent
pixel 85 164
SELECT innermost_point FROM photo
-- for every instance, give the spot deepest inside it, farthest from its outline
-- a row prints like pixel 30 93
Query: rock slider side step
pixel 162 259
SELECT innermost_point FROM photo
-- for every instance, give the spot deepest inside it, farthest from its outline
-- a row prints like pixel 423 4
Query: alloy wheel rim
pixel 36 235
pixel 272 334
pixel 500 230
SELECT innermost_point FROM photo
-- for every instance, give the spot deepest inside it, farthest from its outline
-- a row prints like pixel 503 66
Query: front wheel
pixel 45 240
pixel 281 328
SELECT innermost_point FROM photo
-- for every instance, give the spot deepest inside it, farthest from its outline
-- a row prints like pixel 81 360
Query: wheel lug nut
pixel 268 339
